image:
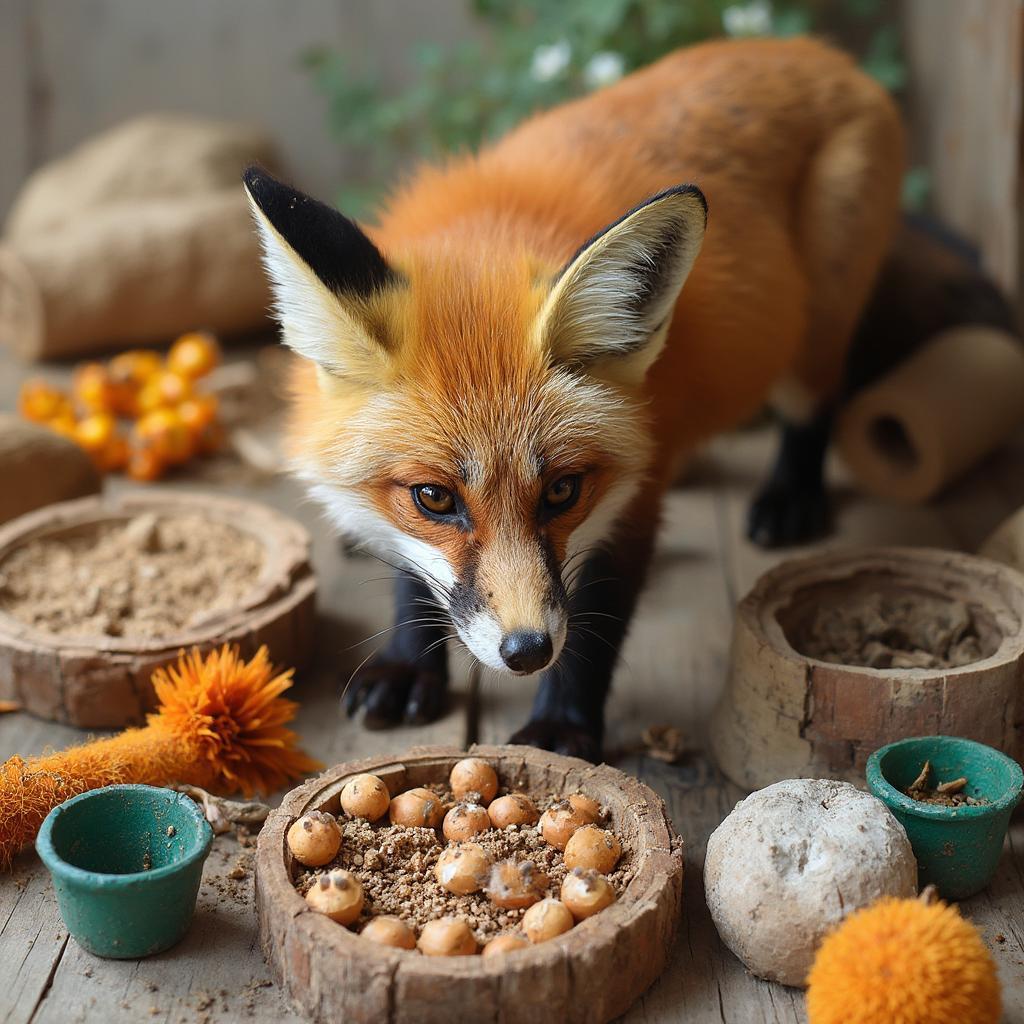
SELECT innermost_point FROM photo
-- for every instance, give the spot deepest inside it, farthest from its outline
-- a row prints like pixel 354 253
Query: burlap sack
pixel 135 237
pixel 156 156
pixel 133 273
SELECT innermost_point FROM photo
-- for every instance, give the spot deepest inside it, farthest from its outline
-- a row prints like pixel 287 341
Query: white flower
pixel 550 61
pixel 603 69
pixel 751 19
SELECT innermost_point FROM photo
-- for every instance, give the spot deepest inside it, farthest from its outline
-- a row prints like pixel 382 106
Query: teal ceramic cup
pixel 126 863
pixel 957 848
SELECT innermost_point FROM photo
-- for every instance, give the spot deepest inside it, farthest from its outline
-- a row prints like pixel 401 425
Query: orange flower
pixel 145 465
pixel 96 431
pixel 163 432
pixel 163 390
pixel 40 402
pixel 92 388
pixel 194 354
pixel 221 724
pixel 903 962
pixel 234 712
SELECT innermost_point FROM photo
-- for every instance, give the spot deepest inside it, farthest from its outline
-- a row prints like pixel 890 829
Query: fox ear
pixel 609 309
pixel 327 278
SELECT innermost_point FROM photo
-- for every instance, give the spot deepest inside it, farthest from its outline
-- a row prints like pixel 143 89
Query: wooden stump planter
pixel 103 681
pixel 590 974
pixel 786 715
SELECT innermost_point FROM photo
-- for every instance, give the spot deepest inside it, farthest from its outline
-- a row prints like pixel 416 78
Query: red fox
pixel 500 379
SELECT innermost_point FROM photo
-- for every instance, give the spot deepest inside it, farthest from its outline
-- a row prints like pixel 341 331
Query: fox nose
pixel 526 650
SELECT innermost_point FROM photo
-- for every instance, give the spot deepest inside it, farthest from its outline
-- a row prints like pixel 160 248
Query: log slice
pixel 590 974
pixel 103 682
pixel 785 715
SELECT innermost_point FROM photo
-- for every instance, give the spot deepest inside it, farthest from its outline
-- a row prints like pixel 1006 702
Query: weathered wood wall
pixel 69 68
pixel 966 77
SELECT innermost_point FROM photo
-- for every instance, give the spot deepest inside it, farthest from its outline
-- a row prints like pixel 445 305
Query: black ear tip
pixel 256 180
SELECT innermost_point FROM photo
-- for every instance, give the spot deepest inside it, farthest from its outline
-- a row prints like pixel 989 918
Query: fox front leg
pixel 568 711
pixel 406 682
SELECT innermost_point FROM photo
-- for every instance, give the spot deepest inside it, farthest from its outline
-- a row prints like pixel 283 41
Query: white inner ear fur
pixel 315 322
pixel 592 317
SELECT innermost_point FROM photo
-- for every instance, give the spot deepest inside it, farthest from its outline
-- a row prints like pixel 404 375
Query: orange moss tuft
pixel 903 962
pixel 220 725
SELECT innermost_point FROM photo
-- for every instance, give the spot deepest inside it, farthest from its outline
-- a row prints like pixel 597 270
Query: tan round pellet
pixel 593 848
pixel 508 943
pixel 516 884
pixel 389 931
pixel 338 894
pixel 586 892
pixel 447 936
pixel 560 821
pixel 474 775
pixel 546 919
pixel 464 821
pixel 513 809
pixel 314 839
pixel 365 796
pixel 463 869
pixel 586 806
pixel 416 808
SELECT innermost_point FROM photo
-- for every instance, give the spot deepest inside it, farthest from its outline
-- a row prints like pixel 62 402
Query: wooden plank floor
pixel 672 673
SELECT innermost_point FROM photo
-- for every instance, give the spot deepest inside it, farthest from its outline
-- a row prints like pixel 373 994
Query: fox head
pixel 476 417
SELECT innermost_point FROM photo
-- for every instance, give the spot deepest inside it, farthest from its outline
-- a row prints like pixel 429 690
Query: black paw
pixel 781 516
pixel 396 691
pixel 561 737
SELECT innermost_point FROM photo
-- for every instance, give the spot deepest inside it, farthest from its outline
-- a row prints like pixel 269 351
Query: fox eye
pixel 561 494
pixel 434 499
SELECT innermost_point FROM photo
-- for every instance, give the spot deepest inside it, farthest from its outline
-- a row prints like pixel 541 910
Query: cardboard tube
pixel 936 415
pixel 135 272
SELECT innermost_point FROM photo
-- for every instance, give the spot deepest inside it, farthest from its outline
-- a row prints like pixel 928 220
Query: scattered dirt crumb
pixel 886 631
pixel 145 578
pixel 665 743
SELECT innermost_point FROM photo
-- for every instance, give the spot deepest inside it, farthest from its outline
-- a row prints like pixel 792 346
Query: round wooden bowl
pixel 103 682
pixel 786 715
pixel 590 974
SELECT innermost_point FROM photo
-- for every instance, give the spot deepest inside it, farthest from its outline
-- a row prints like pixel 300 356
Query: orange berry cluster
pixel 172 421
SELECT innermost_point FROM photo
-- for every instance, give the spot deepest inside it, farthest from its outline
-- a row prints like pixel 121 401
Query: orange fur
pixel 800 157
pixel 741 120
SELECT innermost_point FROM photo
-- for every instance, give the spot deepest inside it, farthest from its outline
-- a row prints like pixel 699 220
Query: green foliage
pixel 533 54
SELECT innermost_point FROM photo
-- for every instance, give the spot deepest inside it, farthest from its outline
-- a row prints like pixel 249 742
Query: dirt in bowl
pixel 877 630
pixel 395 865
pixel 947 794
pixel 141 579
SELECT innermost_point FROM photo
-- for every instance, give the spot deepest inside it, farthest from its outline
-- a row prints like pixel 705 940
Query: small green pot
pixel 957 848
pixel 126 863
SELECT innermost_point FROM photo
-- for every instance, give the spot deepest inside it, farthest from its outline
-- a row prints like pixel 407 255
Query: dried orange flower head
pixel 232 712
pixel 903 962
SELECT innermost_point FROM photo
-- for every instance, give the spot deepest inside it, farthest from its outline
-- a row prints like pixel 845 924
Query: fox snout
pixel 511 613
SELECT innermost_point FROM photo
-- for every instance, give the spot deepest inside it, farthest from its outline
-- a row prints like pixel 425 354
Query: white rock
pixel 791 861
